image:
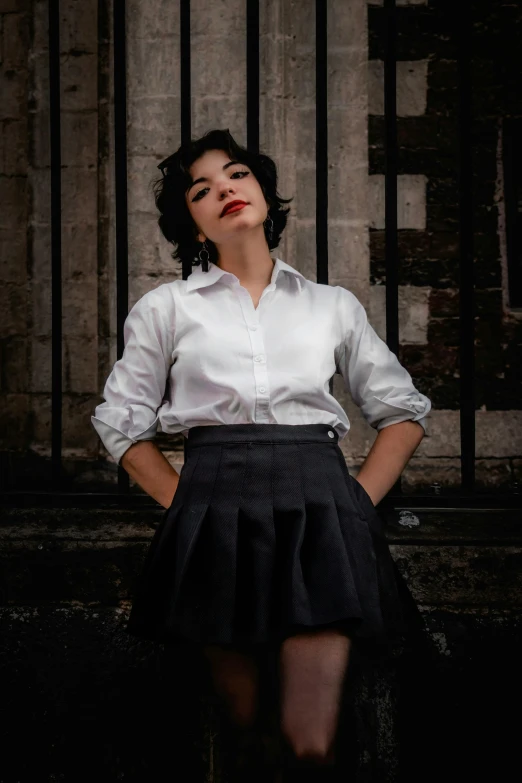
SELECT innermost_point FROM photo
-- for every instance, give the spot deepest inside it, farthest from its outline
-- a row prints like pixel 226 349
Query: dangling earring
pixel 271 228
pixel 204 261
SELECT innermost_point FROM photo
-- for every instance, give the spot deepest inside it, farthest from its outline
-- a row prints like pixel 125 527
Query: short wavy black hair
pixel 175 221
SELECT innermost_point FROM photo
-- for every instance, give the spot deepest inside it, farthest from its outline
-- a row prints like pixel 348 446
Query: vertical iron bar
pixel 390 185
pixel 390 178
pixel 252 65
pixel 120 162
pixel 467 306
pixel 512 171
pixel 184 73
pixel 56 241
pixel 186 112
pixel 185 92
pixel 321 143
pixel 321 146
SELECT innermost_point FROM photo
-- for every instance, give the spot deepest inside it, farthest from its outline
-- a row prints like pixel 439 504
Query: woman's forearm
pixel 145 463
pixel 388 456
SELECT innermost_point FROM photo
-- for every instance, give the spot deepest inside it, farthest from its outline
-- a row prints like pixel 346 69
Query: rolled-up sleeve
pixel 135 388
pixel 378 383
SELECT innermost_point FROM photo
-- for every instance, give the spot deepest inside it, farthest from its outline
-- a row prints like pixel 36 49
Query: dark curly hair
pixel 175 221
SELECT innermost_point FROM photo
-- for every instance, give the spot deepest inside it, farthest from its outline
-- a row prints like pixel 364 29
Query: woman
pixel 267 544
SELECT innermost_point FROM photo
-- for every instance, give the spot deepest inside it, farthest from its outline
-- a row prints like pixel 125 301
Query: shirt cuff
pixel 399 418
pixel 116 442
pixel 393 409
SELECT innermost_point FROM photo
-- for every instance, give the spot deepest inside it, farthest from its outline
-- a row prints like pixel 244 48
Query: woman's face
pixel 224 182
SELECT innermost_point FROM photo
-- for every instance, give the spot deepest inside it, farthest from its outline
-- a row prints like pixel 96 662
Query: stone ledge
pixel 95 556
pixel 410 525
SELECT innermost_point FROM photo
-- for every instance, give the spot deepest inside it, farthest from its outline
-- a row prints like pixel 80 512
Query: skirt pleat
pixel 267 534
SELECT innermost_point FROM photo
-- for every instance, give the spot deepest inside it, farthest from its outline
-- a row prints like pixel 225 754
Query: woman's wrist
pixel 167 497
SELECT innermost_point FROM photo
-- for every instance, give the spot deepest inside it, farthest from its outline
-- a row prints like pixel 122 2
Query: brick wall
pixel 427 191
pixel 428 214
pixel 26 229
pixel 14 197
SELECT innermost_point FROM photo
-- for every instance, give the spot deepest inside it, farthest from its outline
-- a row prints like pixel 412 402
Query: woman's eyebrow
pixel 204 179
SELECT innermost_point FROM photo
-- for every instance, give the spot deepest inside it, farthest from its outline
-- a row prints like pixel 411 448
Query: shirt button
pixel 258 358
pixel 254 327
pixel 262 389
pixel 331 434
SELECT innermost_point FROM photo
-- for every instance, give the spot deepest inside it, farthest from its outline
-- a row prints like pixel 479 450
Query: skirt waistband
pixel 261 433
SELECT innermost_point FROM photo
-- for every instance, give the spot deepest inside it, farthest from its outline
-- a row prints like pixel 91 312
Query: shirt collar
pixel 200 279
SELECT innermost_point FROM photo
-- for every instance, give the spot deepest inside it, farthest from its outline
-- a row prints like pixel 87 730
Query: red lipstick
pixel 233 206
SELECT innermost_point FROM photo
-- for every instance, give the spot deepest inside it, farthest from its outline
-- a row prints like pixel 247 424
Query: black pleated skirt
pixel 267 535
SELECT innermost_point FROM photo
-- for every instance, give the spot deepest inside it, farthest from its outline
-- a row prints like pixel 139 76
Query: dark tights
pixel 306 675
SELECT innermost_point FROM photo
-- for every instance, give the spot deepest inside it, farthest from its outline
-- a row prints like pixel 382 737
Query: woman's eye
pixel 196 197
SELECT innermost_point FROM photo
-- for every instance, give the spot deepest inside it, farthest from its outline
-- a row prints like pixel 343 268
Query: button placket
pixel 251 316
pixel 261 379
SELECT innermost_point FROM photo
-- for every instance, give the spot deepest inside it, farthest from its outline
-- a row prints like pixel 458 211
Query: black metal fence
pixel 462 29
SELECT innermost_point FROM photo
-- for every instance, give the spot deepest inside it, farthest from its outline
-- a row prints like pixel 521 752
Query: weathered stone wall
pixel 14 196
pixel 73 679
pixel 427 209
pixel 428 214
pixel 26 227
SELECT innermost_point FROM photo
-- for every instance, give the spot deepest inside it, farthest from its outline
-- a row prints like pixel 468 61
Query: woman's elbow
pixel 136 453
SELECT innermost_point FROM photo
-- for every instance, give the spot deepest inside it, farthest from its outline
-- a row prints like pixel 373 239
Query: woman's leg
pixel 235 678
pixel 313 666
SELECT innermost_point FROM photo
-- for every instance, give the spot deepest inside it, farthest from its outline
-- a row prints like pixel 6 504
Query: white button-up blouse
pixel 197 352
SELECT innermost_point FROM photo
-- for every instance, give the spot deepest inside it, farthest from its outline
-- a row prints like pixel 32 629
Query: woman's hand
pixel 388 456
pixel 145 463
